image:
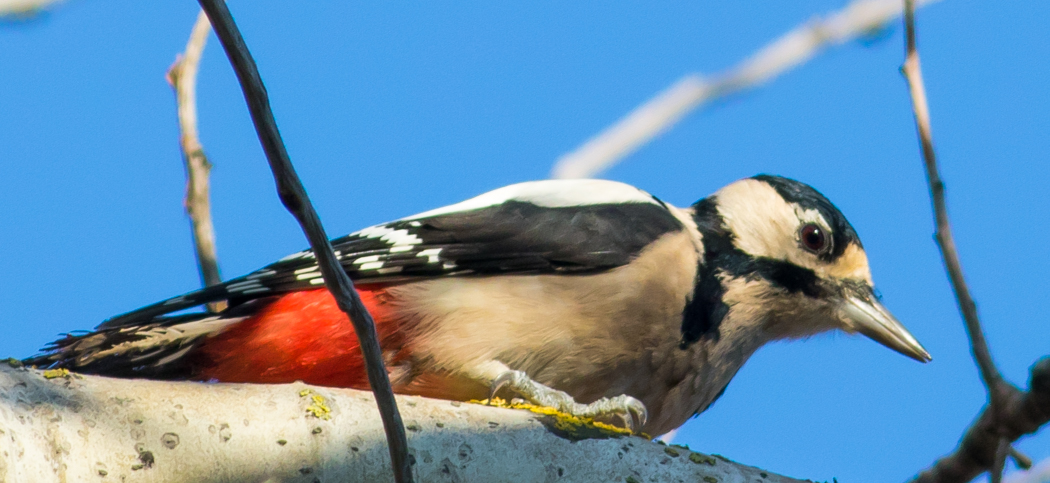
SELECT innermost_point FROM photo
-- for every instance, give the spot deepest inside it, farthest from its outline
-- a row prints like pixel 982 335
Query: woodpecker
pixel 589 296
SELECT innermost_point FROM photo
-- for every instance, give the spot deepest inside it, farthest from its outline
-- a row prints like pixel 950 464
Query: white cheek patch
pixel 765 225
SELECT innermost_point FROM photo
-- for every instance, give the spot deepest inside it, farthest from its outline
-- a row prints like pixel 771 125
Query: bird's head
pixel 787 257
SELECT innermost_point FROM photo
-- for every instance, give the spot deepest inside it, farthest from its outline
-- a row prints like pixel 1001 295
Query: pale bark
pixel 89 428
pixel 23 8
pixel 694 91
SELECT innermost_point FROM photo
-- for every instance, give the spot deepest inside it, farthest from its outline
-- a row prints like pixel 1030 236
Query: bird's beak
pixel 864 314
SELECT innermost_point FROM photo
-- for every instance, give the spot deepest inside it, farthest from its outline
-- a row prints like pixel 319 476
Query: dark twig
pixel 999 464
pixel 1020 459
pixel 1010 413
pixel 913 73
pixel 1024 413
pixel 294 197
pixel 182 75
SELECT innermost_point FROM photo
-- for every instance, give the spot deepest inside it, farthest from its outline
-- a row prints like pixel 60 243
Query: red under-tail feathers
pixel 302 336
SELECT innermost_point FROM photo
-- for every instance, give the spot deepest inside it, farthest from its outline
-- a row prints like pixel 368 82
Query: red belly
pixel 302 336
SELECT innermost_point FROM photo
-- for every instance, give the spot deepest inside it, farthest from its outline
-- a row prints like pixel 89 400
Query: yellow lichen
pixel 56 373
pixel 562 421
pixel 701 459
pixel 317 407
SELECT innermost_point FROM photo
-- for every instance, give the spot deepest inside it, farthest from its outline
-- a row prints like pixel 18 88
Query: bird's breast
pixel 592 335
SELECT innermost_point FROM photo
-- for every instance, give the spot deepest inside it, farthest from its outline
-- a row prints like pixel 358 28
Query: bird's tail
pixel 295 336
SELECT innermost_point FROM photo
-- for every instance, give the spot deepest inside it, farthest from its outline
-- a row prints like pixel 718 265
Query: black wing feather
pixel 514 236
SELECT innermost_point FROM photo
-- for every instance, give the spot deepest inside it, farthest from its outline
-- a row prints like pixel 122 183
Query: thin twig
pixel 182 75
pixel 693 91
pixel 1009 413
pixel 1023 413
pixel 293 195
pixel 912 71
pixel 1000 460
pixel 1038 473
pixel 1020 459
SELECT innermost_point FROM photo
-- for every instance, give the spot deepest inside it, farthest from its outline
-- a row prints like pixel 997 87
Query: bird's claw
pixel 625 408
pixel 500 382
pixel 631 411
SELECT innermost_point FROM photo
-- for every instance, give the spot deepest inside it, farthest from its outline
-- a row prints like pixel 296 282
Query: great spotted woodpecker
pixel 589 296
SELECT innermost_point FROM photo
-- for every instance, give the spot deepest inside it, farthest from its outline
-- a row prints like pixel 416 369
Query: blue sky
pixel 389 110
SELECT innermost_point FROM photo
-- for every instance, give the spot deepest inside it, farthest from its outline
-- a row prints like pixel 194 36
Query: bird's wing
pixel 556 226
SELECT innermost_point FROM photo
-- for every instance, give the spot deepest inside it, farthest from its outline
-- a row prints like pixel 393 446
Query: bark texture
pixel 57 427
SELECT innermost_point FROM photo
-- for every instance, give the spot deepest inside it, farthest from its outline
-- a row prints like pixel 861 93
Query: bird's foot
pixel 623 408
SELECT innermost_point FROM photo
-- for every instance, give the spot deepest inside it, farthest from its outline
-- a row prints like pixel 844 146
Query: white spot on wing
pixel 371 266
pixel 402 248
pixel 401 237
pixel 370 258
pixel 430 254
pixel 373 231
pixel 244 286
pixel 552 193
pixel 302 254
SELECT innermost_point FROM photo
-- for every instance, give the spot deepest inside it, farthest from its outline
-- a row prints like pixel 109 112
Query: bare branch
pixel 1010 413
pixel 182 75
pixel 1023 413
pixel 999 465
pixel 293 195
pixel 694 90
pixel 90 428
pixel 1020 459
pixel 23 8
pixel 912 71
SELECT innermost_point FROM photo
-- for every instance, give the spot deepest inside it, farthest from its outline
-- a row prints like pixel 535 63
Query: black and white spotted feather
pixel 557 226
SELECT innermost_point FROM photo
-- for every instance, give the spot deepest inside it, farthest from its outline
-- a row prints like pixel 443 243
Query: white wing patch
pixel 552 193
pixel 401 238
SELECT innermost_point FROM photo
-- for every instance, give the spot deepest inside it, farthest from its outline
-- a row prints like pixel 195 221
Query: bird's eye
pixel 813 238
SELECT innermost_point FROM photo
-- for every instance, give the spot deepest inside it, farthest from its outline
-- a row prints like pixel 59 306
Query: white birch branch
pixel 694 90
pixel 23 8
pixel 99 429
